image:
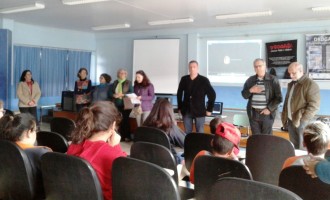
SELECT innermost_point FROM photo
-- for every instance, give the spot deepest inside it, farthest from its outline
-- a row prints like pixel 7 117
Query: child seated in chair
pixel 316 140
pixel 225 144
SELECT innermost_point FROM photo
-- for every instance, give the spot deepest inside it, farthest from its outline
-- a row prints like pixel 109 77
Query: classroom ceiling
pixel 137 13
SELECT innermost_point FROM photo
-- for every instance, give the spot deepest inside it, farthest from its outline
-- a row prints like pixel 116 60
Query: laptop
pixel 217 109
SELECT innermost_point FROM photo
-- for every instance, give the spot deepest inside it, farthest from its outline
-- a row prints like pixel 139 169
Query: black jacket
pixel 273 93
pixel 193 98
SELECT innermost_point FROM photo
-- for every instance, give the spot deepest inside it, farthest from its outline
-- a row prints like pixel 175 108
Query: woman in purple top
pixel 144 91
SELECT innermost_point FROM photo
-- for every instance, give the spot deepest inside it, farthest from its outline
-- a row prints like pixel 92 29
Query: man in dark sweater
pixel 264 94
pixel 191 98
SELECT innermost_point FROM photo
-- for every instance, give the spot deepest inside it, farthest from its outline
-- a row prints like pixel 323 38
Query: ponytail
pixel 100 116
pixel 84 126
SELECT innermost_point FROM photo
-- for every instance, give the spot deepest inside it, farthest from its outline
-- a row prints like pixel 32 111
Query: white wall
pixel 114 50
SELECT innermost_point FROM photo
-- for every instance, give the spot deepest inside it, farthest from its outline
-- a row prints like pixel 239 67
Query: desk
pixel 65 114
pixel 45 107
pixel 73 116
pixel 243 131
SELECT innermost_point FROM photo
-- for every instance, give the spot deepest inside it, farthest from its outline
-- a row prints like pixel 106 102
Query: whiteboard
pixel 159 59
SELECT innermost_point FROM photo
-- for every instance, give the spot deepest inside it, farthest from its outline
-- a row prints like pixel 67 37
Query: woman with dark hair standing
pixel 162 117
pixel 101 92
pixel 120 88
pixel 28 93
pixel 144 90
pixel 96 140
pixel 82 89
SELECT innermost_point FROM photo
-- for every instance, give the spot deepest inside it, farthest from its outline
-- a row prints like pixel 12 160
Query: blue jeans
pixel 188 123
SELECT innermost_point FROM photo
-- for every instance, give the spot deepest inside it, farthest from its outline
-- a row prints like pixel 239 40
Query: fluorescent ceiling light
pixel 35 6
pixel 172 21
pixel 322 8
pixel 244 15
pixel 76 2
pixel 118 26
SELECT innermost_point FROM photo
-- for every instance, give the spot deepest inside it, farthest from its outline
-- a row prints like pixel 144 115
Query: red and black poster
pixel 279 56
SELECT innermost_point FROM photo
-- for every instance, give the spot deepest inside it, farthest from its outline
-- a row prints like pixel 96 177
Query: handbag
pixel 128 105
pixel 137 110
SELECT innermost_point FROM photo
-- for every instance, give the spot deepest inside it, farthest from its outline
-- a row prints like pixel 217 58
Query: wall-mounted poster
pixel 318 56
pixel 279 56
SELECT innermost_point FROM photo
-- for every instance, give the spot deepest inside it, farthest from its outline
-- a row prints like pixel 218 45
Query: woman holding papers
pixel 119 89
pixel 144 90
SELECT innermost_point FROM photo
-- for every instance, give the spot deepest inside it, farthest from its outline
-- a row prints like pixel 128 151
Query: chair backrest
pixel 236 188
pixel 53 140
pixel 9 112
pixel 137 179
pixel 69 177
pixel 152 135
pixel 193 144
pixel 63 126
pixel 156 154
pixel 209 169
pixel 16 176
pixel 265 155
pixel 295 179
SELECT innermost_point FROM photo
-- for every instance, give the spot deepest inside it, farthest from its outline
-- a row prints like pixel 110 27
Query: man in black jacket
pixel 264 93
pixel 191 98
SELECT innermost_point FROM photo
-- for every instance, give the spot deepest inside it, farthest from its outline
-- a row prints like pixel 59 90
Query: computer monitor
pixel 217 109
pixel 68 101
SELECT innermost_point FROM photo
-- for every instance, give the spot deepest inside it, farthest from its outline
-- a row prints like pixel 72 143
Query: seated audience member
pixel 96 140
pixel 225 144
pixel 316 140
pixel 21 129
pixel 214 123
pixel 319 167
pixel 162 116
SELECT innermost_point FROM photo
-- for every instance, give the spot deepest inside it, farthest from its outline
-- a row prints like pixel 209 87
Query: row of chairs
pixel 265 155
pixel 64 163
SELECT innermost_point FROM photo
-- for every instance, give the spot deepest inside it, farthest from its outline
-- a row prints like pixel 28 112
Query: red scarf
pixel 30 85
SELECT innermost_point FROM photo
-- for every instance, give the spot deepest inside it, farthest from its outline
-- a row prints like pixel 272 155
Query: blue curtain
pixel 26 58
pixel 53 65
pixel 54 69
pixel 77 60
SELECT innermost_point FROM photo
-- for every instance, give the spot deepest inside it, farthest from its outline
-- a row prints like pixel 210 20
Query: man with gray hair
pixel 301 103
pixel 263 92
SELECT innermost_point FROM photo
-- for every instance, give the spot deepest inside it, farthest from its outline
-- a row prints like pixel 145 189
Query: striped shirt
pixel 259 99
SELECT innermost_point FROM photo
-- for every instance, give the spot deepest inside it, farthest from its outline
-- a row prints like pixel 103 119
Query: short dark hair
pixel 107 77
pixel 22 79
pixel 214 124
pixel 80 70
pixel 221 145
pixel 145 82
pixel 193 61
